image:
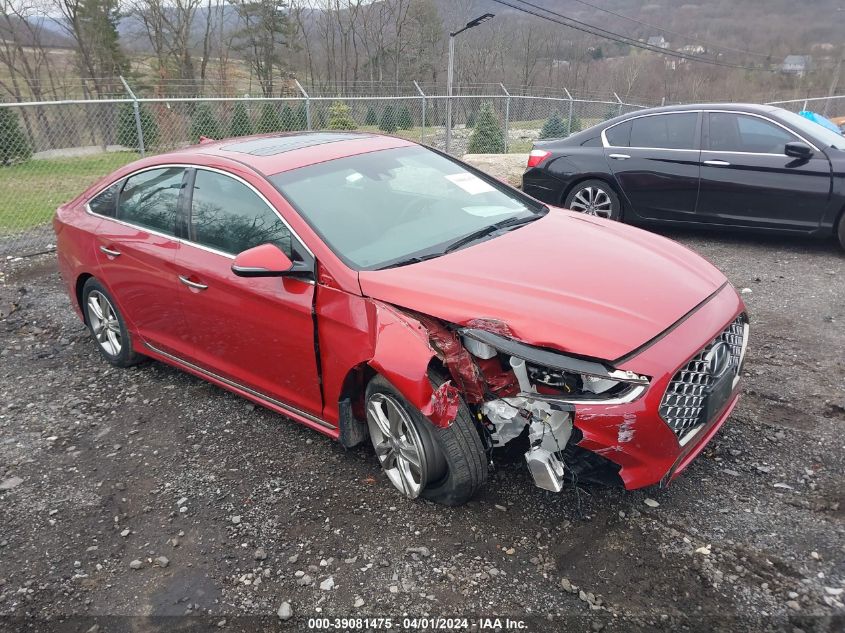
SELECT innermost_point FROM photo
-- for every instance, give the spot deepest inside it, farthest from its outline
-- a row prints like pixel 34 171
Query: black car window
pixel 665 131
pixel 731 132
pixel 619 135
pixel 229 216
pixel 150 199
pixel 105 202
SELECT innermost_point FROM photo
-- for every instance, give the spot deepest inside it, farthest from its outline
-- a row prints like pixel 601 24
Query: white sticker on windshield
pixel 470 183
pixel 487 211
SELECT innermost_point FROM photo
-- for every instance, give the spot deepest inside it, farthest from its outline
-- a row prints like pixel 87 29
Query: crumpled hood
pixel 571 282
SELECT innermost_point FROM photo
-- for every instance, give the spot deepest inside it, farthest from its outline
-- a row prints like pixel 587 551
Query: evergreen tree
pixel 127 129
pixel 240 125
pixel 372 117
pixel 555 127
pixel 288 119
pixel 14 146
pixel 471 118
pixel 576 124
pixel 96 25
pixel 318 121
pixel 487 136
pixel 339 117
pixel 405 121
pixel 388 119
pixel 268 119
pixel 300 117
pixel 203 123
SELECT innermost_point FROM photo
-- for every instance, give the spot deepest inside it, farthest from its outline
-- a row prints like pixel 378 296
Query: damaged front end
pixel 520 391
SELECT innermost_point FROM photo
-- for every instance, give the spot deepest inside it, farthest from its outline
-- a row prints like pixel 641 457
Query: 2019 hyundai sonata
pixel 728 166
pixel 366 286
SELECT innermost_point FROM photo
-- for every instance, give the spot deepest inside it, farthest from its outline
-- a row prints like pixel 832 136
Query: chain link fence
pixel 51 151
pixel 833 106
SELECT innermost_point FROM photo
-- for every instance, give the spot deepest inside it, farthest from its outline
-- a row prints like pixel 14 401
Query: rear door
pixel 136 247
pixel 255 332
pixel 748 180
pixel 655 159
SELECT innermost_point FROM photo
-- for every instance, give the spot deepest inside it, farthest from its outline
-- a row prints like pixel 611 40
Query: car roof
pixel 275 153
pixel 739 107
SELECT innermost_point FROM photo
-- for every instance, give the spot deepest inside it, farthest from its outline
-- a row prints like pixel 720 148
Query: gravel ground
pixel 133 494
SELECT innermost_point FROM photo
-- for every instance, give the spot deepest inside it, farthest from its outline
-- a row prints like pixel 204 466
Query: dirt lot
pixel 102 467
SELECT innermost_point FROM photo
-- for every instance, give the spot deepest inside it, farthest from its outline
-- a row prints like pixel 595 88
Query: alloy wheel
pixel 103 319
pixel 397 444
pixel 592 201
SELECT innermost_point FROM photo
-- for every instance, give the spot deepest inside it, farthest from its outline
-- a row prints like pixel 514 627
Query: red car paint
pixel 576 284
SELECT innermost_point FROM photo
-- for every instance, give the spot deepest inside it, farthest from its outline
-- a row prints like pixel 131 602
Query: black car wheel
pixel 107 325
pixel 840 233
pixel 595 197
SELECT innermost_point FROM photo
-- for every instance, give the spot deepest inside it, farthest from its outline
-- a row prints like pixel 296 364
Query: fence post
pixel 139 129
pixel 619 111
pixel 422 128
pixel 571 103
pixel 507 114
pixel 307 104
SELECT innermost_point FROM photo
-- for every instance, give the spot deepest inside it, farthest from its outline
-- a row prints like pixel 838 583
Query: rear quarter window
pixel 619 135
pixel 105 202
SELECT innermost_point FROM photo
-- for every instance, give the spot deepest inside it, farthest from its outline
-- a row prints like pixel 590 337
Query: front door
pixel 255 332
pixel 655 160
pixel 748 180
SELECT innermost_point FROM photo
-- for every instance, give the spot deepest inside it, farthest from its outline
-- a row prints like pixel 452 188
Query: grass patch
pixel 31 191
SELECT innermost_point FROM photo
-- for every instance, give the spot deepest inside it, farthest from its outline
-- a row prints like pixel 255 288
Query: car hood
pixel 570 282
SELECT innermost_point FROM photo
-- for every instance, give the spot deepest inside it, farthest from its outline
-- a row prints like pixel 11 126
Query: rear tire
pixel 456 464
pixel 594 197
pixel 107 325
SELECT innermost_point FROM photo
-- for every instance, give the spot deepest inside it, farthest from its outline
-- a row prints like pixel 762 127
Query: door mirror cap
pixel 797 149
pixel 266 260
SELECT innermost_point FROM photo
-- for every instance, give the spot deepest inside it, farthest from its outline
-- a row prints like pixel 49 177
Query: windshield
pixel 828 138
pixel 396 206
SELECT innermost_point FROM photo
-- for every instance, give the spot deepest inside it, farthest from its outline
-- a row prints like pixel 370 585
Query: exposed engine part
pixel 479 349
pixel 549 429
pixel 546 469
pixel 521 373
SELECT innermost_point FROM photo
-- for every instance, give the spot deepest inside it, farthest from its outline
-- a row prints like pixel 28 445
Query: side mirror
pixel 266 260
pixel 798 150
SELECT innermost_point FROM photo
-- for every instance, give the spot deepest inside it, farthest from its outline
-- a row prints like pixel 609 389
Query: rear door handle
pixel 717 163
pixel 192 284
pixel 109 252
pixel 619 156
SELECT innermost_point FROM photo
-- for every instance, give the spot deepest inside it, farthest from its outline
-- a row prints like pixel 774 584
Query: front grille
pixel 683 401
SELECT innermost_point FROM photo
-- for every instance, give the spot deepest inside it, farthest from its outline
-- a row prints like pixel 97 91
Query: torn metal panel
pixel 444 404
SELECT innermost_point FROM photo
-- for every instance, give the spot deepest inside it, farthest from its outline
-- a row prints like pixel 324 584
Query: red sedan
pixel 367 286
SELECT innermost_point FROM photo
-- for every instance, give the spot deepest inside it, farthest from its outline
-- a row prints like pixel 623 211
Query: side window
pixel 149 199
pixel 619 135
pixel 105 202
pixel 228 216
pixel 741 133
pixel 665 131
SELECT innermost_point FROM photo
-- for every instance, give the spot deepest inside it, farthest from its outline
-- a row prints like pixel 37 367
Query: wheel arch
pixel 78 287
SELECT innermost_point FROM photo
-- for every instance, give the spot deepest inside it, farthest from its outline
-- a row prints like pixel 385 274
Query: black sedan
pixel 729 166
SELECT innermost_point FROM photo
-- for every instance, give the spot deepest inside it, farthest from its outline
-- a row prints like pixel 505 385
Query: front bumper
pixel 633 435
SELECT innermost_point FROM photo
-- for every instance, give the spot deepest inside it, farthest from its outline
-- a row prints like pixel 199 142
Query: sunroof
pixel 279 144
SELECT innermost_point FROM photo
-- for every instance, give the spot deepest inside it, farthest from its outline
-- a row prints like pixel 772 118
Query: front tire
pixel 107 325
pixel 840 233
pixel 445 465
pixel 594 197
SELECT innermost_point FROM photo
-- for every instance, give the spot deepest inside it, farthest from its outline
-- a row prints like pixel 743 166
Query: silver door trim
pixel 237 385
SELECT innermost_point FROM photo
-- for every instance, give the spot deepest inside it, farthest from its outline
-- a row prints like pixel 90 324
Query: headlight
pixel 554 376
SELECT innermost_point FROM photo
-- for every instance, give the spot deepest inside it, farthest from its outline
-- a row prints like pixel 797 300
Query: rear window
pixel 619 135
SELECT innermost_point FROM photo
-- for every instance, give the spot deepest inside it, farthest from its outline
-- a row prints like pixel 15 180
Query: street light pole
pixel 451 72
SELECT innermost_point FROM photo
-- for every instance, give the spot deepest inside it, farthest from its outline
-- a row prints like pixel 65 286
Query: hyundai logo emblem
pixel 718 359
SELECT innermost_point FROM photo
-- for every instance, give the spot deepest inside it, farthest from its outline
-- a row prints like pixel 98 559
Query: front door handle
pixel 619 156
pixel 192 284
pixel 717 163
pixel 109 252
